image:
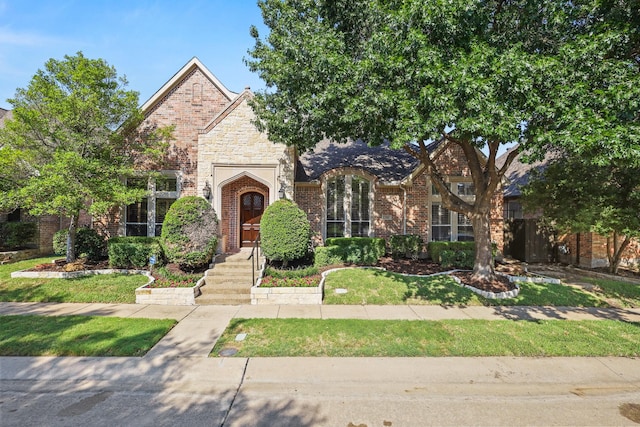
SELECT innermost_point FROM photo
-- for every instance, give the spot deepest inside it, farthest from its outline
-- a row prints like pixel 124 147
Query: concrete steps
pixel 229 282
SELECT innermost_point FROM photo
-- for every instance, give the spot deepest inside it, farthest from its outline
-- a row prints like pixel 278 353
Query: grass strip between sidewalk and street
pixel 80 335
pixel 405 338
pixel 110 288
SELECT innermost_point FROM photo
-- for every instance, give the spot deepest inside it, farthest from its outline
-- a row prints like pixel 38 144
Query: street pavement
pixel 176 383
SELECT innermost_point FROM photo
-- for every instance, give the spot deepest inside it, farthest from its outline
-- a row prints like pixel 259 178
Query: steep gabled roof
pixel 519 173
pixel 228 110
pixel 389 165
pixel 177 78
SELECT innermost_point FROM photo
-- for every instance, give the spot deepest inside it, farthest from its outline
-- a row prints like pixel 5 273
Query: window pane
pixel 166 184
pixel 434 190
pixel 137 212
pixel 359 199
pixel 335 198
pixel 335 229
pixel 466 189
pixel 440 215
pixel 360 229
pixel 162 206
pixel 441 233
pixel 136 229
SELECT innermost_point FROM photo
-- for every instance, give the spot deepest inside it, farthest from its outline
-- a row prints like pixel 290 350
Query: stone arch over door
pixel 230 213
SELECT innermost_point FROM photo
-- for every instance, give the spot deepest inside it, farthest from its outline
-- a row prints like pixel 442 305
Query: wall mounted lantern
pixel 206 191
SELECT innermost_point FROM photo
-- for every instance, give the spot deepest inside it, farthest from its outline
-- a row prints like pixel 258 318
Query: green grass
pixel 370 286
pixel 111 288
pixel 79 335
pixel 465 338
pixel 623 294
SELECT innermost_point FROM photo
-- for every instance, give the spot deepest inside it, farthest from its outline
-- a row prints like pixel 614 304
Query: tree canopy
pixel 73 137
pixel 476 73
pixel 575 195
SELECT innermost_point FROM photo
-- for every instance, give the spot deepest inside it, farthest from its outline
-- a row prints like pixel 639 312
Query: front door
pixel 251 208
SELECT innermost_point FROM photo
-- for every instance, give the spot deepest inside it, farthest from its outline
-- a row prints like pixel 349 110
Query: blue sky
pixel 147 41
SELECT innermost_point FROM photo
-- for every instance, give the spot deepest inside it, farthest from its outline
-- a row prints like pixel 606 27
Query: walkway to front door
pixel 251 209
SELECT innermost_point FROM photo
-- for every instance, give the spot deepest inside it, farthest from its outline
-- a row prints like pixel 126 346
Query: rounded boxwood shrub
pixel 190 233
pixel 284 231
pixel 60 242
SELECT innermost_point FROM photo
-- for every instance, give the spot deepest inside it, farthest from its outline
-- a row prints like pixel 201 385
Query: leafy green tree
pixel 476 73
pixel 577 196
pixel 74 135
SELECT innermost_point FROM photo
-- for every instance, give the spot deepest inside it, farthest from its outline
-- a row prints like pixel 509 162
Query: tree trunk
pixel 483 262
pixel 615 254
pixel 71 239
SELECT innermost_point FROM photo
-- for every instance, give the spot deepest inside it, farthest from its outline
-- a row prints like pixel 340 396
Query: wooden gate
pixel 527 240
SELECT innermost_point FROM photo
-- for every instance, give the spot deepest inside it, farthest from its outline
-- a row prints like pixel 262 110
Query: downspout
pixel 404 209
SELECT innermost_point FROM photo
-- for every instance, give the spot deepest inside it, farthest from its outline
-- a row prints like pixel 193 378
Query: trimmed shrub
pixel 15 235
pixel 190 232
pixel 327 255
pixel 284 232
pixel 436 248
pixel 60 242
pixel 358 250
pixel 134 252
pixel 90 244
pixel 457 259
pixel 405 245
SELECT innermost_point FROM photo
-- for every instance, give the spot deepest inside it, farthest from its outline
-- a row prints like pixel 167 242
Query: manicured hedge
pixel 436 248
pixel 134 252
pixel 405 245
pixel 457 259
pixel 357 250
pixel 327 255
pixel 15 235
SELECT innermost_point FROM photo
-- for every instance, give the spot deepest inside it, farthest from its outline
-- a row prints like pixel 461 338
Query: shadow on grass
pixel 79 335
pixel 549 294
pixel 440 289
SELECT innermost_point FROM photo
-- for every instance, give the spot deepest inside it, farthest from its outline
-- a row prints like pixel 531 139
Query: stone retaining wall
pixel 15 256
pixel 168 296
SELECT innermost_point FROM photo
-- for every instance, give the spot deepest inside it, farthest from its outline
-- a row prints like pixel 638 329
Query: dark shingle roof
pixel 387 164
pixel 519 173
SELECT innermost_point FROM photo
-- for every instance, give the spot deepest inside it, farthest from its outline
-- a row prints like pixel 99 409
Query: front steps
pixel 229 282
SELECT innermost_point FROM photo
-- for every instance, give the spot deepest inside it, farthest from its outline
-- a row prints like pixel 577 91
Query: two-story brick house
pixel 346 190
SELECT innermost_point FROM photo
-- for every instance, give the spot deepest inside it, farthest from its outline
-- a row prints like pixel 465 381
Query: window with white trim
pixel 348 206
pixel 447 225
pixel 145 218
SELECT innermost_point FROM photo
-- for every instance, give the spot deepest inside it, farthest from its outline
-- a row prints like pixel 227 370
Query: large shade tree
pixel 74 135
pixel 574 195
pixel 476 73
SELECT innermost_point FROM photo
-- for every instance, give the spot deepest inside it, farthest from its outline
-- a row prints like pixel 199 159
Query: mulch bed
pixel 426 267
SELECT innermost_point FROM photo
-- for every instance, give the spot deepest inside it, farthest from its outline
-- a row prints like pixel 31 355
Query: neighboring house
pixel 525 239
pixel 346 190
pixel 47 225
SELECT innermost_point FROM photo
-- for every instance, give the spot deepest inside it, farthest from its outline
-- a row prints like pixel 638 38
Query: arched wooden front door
pixel 251 209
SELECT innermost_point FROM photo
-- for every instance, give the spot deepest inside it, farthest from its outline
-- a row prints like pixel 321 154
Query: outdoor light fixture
pixel 206 191
pixel 281 192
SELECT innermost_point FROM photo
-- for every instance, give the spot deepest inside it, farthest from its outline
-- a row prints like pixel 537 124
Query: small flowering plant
pixel 290 282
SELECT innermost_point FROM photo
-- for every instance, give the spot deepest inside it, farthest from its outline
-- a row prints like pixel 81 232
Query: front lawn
pixel 464 338
pixel 379 287
pixel 79 335
pixel 111 288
